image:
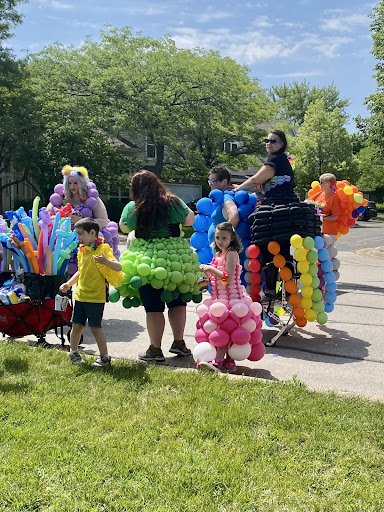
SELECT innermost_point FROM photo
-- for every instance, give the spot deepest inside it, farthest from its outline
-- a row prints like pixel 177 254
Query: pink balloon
pixel 240 336
pixel 217 309
pixel 256 337
pixel 223 317
pixel 204 318
pixel 199 325
pixel 245 318
pixel 219 338
pixel 56 200
pixel 201 310
pixel 257 352
pixel 213 318
pixel 229 325
pixel 249 325
pixel 209 326
pixel 91 202
pixel 207 302
pixel 256 308
pixel 259 324
pixel 59 189
pixel 240 309
pixel 201 336
pixel 232 302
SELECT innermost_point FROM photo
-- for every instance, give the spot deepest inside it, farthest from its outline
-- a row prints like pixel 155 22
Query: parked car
pixel 369 212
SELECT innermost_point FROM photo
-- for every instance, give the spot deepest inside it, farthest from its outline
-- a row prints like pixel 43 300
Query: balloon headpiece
pixel 81 176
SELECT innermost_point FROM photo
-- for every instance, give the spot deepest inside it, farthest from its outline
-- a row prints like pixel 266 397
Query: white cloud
pixel 262 22
pixel 55 4
pixel 255 46
pixel 212 15
pixel 345 22
pixel 298 74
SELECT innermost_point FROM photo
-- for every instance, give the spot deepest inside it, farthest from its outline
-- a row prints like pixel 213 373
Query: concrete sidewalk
pixel 345 354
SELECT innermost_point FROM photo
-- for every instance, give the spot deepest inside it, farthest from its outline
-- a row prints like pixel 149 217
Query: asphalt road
pixel 362 235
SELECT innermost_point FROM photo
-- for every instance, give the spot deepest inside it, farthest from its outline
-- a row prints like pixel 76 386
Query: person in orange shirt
pixel 327 204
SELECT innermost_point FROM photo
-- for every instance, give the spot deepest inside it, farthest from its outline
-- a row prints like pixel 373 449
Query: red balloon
pixel 253 251
pixel 257 352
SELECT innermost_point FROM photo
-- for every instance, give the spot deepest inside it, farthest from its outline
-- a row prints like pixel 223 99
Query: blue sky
pixel 320 41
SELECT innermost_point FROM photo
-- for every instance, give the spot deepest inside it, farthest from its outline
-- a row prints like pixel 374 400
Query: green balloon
pixel 313 269
pixel 156 283
pixel 311 256
pixel 318 306
pixel 176 277
pixel 183 287
pixel 127 303
pixel 160 273
pixel 175 294
pixel 114 295
pixel 135 282
pixel 162 254
pixel 317 295
pixel 166 296
pixel 161 262
pixel 308 243
pixel 175 265
pixel 171 286
pixel 315 282
pixel 146 259
pixel 190 278
pixel 136 302
pixel 186 297
pixel 143 269
pixel 197 297
pixel 322 318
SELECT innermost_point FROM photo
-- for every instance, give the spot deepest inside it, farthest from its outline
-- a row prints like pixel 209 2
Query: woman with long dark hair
pixel 157 213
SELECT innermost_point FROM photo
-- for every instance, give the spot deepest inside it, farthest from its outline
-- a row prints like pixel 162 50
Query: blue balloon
pixel 216 196
pixel 328 308
pixel 355 213
pixel 201 223
pixel 252 200
pixel 327 265
pixel 241 197
pixel 211 233
pixel 319 242
pixel 205 255
pixel 199 240
pixel 267 321
pixel 243 229
pixel 323 254
pixel 330 297
pixel 331 287
pixel 329 277
pixel 245 210
pixel 361 209
pixel 205 205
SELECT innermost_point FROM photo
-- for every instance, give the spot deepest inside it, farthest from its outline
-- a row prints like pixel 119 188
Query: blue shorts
pixel 150 297
pixel 93 311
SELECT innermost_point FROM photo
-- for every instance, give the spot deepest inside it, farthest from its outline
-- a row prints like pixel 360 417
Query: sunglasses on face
pixel 212 182
pixel 272 141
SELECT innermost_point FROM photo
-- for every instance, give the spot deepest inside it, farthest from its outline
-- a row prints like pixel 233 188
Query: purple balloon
pixel 56 200
pixel 113 231
pixel 91 202
pixel 112 224
pixel 91 185
pixel 59 189
pixel 107 235
pixel 86 212
pixel 92 192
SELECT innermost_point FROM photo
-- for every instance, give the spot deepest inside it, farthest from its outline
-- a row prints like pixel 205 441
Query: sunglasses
pixel 212 182
pixel 272 141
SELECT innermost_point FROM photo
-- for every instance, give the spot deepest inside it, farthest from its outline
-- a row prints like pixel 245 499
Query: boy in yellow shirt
pixel 90 293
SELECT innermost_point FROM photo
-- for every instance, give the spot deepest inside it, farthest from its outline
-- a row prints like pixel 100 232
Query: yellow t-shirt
pixel 91 284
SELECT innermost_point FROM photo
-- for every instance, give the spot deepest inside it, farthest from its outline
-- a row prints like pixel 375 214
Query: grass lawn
pixel 137 438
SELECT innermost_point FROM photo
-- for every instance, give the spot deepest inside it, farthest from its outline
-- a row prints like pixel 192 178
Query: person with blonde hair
pixel 327 204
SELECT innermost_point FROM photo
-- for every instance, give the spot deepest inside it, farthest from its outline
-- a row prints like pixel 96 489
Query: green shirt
pixel 176 215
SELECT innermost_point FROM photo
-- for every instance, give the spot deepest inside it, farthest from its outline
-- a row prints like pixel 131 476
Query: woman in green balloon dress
pixel 156 214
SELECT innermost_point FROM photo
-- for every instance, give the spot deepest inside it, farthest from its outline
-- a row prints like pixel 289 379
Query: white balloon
pixel 246 265
pixel 328 240
pixel 250 325
pixel 209 326
pixel 332 251
pixel 247 277
pixel 337 275
pixel 204 351
pixel 335 263
pixel 238 352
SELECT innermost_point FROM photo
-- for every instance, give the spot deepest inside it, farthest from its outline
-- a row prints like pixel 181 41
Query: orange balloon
pixel 344 230
pixel 354 188
pixel 311 192
pixel 274 247
pixel 365 202
pixel 301 322
pixel 316 188
pixel 285 274
pixel 339 185
pixel 298 312
pixel 290 286
pixel 279 260
pixel 294 299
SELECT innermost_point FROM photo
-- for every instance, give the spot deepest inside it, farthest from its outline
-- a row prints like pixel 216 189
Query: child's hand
pixel 64 287
pixel 205 268
pixel 100 259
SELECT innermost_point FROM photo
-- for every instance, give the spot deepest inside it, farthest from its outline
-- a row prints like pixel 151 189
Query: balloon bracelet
pixel 224 278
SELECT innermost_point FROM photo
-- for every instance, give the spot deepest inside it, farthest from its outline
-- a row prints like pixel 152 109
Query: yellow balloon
pixel 307 291
pixel 299 254
pixel 303 267
pixel 296 241
pixel 306 279
pixel 310 315
pixel 306 303
pixel 314 184
pixel 348 190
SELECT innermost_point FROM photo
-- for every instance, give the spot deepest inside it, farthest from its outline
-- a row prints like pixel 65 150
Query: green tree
pixel 323 145
pixel 9 18
pixel 294 99
pixel 187 101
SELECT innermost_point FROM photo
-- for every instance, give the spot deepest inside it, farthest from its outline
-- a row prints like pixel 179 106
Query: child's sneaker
pixel 180 349
pixel 151 354
pixel 229 366
pixel 102 361
pixel 211 366
pixel 76 358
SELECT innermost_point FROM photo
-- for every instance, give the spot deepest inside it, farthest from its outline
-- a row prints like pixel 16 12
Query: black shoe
pixel 149 355
pixel 180 349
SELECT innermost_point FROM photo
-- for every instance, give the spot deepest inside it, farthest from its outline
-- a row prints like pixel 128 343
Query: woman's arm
pixel 100 214
pixel 265 173
pixel 189 219
pixel 123 227
pixel 230 213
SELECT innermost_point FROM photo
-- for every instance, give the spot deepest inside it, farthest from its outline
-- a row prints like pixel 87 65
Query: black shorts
pixel 150 297
pixel 93 311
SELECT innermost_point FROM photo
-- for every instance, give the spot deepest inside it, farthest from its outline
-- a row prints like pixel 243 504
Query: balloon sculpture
pixel 229 316
pixel 352 204
pixel 163 263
